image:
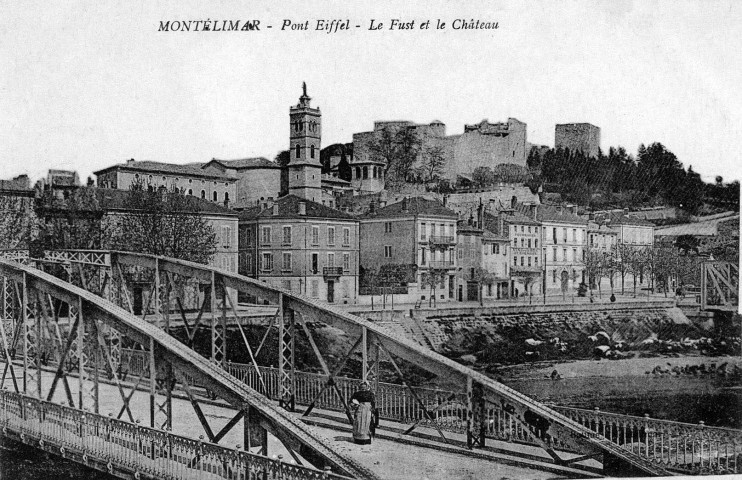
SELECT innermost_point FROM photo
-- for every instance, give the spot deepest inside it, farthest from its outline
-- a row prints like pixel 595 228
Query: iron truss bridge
pixel 76 320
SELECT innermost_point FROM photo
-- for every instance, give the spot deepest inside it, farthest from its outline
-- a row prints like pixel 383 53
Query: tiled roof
pixel 240 163
pixel 413 206
pixel 600 228
pixel 288 207
pixel 549 213
pixel 519 218
pixel 167 168
pixel 629 220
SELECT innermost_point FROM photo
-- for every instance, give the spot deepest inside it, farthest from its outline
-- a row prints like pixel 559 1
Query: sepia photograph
pixel 335 240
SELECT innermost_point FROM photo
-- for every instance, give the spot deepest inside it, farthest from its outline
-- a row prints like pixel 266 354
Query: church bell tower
pixel 305 169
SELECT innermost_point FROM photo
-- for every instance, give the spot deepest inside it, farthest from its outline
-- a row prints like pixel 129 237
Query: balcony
pixel 441 264
pixel 442 240
pixel 332 272
pixel 524 269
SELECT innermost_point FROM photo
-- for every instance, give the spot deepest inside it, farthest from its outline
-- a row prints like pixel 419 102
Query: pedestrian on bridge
pixel 363 403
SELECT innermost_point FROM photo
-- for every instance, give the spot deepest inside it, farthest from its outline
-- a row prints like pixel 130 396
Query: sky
pixel 85 85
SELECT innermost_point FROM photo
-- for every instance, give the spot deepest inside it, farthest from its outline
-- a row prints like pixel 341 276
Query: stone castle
pixel 482 144
pixel 582 137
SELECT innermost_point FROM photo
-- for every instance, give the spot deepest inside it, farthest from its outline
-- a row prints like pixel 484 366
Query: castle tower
pixel 305 169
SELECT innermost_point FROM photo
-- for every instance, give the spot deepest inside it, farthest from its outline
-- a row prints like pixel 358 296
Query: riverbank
pixel 637 386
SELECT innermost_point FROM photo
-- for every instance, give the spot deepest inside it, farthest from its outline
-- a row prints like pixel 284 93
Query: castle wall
pixel 578 136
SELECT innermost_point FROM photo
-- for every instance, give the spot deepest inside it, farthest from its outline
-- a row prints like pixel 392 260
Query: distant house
pixel 302 246
pixel 415 231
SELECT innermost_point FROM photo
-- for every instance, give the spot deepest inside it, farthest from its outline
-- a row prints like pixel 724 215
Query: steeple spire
pixel 304 88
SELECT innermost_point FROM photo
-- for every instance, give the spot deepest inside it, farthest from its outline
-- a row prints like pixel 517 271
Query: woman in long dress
pixel 363 403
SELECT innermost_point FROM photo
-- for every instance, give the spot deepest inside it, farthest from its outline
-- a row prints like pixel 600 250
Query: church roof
pixel 288 207
pixel 246 163
pixel 148 166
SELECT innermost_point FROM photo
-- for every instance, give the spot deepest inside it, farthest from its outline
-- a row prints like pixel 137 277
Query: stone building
pixel 469 260
pixel 523 231
pixel 413 232
pixel 305 136
pixel 257 178
pixel 192 179
pixel 582 137
pixel 301 246
pixel 482 144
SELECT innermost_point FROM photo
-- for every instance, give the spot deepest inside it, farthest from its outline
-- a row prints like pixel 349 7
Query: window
pixel 267 264
pixel 522 242
pixel 387 251
pixel 346 262
pixel 554 252
pixel 330 259
pixel 287 235
pixel 215 196
pixel 535 243
pixel 314 289
pixel 574 255
pixel 536 229
pixel 298 151
pixel 190 191
pixel 358 172
pixel 535 261
pixel 346 237
pixel 266 236
pixel 529 241
pixel 387 227
pixel 529 260
pixel 495 248
pixel 564 254
pixel 529 229
pixel 315 235
pixel 554 236
pixel 248 263
pixel 365 172
pixel 522 229
pixel 423 231
pixel 226 197
pixel 286 265
pixel 574 234
pixel 331 235
pixel 311 152
pixel 564 234
pixel 522 260
pixel 515 261
pixel 315 262
pixel 554 272
pixel 226 236
pixel 203 194
pixel 423 256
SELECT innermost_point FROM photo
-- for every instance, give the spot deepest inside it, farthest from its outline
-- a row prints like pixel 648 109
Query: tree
pixel 17 222
pixel 687 243
pixel 282 159
pixel 433 278
pixel 625 259
pixel 398 149
pixel 164 222
pixel 483 176
pixel 74 222
pixel 482 277
pixel 433 162
pixel 596 261
pixel 639 262
pixel 527 278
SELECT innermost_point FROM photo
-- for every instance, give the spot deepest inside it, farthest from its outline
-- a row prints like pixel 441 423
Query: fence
pixel 127 447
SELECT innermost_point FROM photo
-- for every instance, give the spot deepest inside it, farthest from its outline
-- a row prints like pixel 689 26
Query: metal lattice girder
pixel 286 356
pixel 284 426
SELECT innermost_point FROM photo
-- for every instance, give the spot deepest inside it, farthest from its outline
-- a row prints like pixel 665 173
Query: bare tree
pixel 398 149
pixel 624 261
pixel 434 161
pixel 164 222
pixel 431 279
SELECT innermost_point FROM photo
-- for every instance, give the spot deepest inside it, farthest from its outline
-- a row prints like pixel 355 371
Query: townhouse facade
pixel 303 247
pixel 417 234
pixel 524 233
pixel 564 239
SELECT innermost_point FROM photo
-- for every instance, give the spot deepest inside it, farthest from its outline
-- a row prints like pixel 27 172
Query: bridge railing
pixel 124 447
pixel 679 446
pixel 684 447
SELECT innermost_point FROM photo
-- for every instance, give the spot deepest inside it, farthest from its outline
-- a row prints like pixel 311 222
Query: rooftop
pixel 413 206
pixel 166 168
pixel 246 163
pixel 288 207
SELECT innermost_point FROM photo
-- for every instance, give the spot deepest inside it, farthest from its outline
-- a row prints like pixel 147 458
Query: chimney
pixel 445 200
pixel 275 209
pixel 372 207
pixel 501 224
pixel 404 205
pixel 302 208
pixel 130 161
pixel 535 212
pixel 573 209
pixel 480 214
